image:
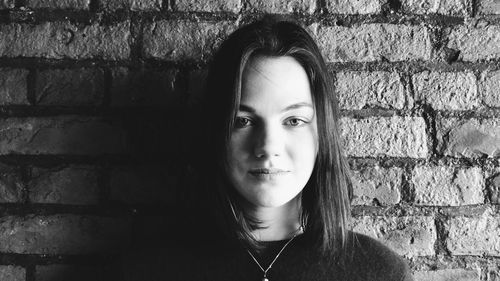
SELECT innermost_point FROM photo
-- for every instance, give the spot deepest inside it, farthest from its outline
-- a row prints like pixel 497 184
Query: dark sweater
pixel 370 261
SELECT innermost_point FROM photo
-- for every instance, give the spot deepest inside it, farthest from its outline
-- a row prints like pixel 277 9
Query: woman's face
pixel 274 142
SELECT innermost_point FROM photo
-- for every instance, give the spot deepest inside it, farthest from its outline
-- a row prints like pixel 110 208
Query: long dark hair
pixel 326 197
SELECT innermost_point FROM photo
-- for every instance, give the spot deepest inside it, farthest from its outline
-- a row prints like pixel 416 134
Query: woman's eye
pixel 294 122
pixel 242 122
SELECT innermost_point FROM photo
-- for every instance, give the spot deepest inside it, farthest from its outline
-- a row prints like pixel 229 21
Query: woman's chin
pixel 273 201
pixel 269 194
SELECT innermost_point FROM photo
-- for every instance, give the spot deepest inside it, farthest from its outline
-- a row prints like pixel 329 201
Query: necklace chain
pixel 275 258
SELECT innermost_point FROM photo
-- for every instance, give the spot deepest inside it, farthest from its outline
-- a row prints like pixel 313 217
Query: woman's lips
pixel 267 173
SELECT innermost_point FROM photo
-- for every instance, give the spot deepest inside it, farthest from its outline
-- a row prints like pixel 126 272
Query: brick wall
pixel 92 98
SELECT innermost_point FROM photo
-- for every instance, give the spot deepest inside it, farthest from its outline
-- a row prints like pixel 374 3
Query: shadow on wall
pixel 115 193
pixel 162 125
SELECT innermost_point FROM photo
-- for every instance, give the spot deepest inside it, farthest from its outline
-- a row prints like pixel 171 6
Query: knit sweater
pixel 369 260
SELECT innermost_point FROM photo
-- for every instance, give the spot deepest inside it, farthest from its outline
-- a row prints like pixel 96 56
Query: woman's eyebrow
pixel 246 108
pixel 297 105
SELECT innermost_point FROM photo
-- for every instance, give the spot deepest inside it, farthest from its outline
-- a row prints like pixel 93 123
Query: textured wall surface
pixel 93 92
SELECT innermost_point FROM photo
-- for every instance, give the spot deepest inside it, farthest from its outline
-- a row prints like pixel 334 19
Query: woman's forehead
pixel 275 79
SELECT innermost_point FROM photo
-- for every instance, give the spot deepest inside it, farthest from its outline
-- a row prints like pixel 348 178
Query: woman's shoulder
pixel 369 259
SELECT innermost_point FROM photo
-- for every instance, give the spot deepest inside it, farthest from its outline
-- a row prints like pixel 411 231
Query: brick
pixel 474 235
pixel 408 236
pixel 144 88
pixel 58 4
pixel 11 184
pixel 456 274
pixel 374 42
pixel 74 185
pixel 470 137
pixel 57 40
pixel 475 44
pixel 283 6
pixel 60 135
pixel 384 136
pixel 180 40
pixel 489 7
pixel 143 185
pixel 134 5
pixel 442 7
pixel 358 90
pixel 358 7
pixel 377 186
pixel 12 273
pixel 447 90
pixel 60 272
pixel 62 234
pixel 495 190
pixel 7 4
pixel 232 6
pixel 13 86
pixel 70 87
pixel 493 272
pixel 446 186
pixel 489 87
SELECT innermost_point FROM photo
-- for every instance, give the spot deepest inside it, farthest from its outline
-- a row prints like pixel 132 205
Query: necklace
pixel 275 258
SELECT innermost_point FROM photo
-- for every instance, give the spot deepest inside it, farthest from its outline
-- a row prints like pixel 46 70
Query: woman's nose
pixel 268 142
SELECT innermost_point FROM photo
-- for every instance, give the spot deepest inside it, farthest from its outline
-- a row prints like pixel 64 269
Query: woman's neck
pixel 280 222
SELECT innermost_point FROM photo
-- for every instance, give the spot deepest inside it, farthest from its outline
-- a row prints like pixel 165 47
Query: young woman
pixel 273 199
pixel 273 167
